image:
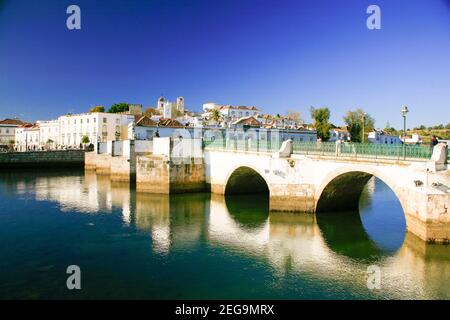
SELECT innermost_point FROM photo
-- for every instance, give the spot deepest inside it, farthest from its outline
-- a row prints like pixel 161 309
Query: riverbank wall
pixel 41 159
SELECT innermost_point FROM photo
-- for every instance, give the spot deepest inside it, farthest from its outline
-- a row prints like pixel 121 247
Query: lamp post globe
pixel 404 112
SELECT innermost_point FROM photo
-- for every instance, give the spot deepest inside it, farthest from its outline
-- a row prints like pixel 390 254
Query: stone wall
pixel 157 174
pixel 100 163
pixel 63 158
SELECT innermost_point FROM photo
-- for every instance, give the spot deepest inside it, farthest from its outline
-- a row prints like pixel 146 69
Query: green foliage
pixel 119 107
pixel 321 117
pixel 85 140
pixel 215 115
pixel 354 121
pixel 97 109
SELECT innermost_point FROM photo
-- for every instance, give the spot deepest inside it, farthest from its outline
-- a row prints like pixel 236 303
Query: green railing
pixel 364 150
pixel 354 150
pixel 250 145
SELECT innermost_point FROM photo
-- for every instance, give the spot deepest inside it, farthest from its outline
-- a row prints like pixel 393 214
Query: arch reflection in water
pixel 173 244
pixel 377 229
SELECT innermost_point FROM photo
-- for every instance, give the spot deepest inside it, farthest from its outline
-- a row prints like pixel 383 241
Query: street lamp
pixel 363 125
pixel 404 111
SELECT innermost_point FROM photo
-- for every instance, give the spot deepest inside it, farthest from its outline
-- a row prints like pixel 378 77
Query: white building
pixel 49 134
pixel 97 126
pixel 27 137
pixel 146 128
pixel 207 107
pixel 8 131
pixel 235 112
pixel 280 122
pixel 170 109
pixel 381 137
pixel 415 139
pixel 337 134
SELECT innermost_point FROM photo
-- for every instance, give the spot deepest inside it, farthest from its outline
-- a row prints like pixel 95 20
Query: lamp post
pixel 404 111
pixel 363 125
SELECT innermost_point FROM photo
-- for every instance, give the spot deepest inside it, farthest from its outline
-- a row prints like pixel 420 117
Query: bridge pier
pixel 292 198
pixel 158 174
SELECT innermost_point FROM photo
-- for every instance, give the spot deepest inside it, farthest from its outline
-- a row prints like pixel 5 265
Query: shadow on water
pixel 374 231
pixel 249 210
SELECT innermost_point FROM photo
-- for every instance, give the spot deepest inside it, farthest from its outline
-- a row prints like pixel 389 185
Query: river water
pixel 200 246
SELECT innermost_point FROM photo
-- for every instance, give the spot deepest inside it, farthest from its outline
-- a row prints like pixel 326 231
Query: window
pixel 104 120
pixel 247 113
pixel 95 120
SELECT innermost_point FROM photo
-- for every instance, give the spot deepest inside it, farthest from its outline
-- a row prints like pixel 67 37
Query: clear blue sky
pixel 277 55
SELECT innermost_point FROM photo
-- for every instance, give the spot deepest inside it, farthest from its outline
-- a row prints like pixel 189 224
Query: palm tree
pixel 215 115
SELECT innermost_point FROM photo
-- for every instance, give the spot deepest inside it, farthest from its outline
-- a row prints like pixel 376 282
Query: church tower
pixel 180 105
pixel 161 102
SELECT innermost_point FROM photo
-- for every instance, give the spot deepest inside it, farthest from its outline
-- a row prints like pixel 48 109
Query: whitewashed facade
pixel 49 133
pixel 337 134
pixel 8 131
pixel 98 126
pixel 381 137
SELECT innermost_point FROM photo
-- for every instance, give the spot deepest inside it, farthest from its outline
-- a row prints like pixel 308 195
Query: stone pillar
pixel 292 198
pixel 158 174
pixel 428 215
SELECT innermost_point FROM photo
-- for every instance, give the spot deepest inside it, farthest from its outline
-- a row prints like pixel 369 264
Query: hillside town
pixel 133 122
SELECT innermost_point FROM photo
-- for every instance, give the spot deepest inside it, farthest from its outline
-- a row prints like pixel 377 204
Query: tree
pixel 215 115
pixel 321 117
pixel 119 107
pixel 11 144
pixel 97 109
pixel 85 140
pixel 296 116
pixel 354 121
pixel 390 130
pixel 447 126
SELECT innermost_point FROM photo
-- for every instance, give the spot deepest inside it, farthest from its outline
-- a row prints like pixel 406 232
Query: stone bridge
pixel 303 183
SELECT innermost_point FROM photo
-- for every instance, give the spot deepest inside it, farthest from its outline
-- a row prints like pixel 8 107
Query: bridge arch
pixel 246 179
pixel 341 189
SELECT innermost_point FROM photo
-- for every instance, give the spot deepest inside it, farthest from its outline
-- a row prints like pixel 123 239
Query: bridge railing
pixel 247 145
pixel 364 150
pixel 354 150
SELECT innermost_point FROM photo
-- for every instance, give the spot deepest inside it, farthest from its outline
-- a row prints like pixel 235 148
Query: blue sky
pixel 277 55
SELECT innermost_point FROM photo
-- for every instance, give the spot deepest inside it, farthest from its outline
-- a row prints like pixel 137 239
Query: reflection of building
pixel 291 244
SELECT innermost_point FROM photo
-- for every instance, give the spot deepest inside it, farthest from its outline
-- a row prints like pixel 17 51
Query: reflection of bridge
pixel 303 177
pixel 291 243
